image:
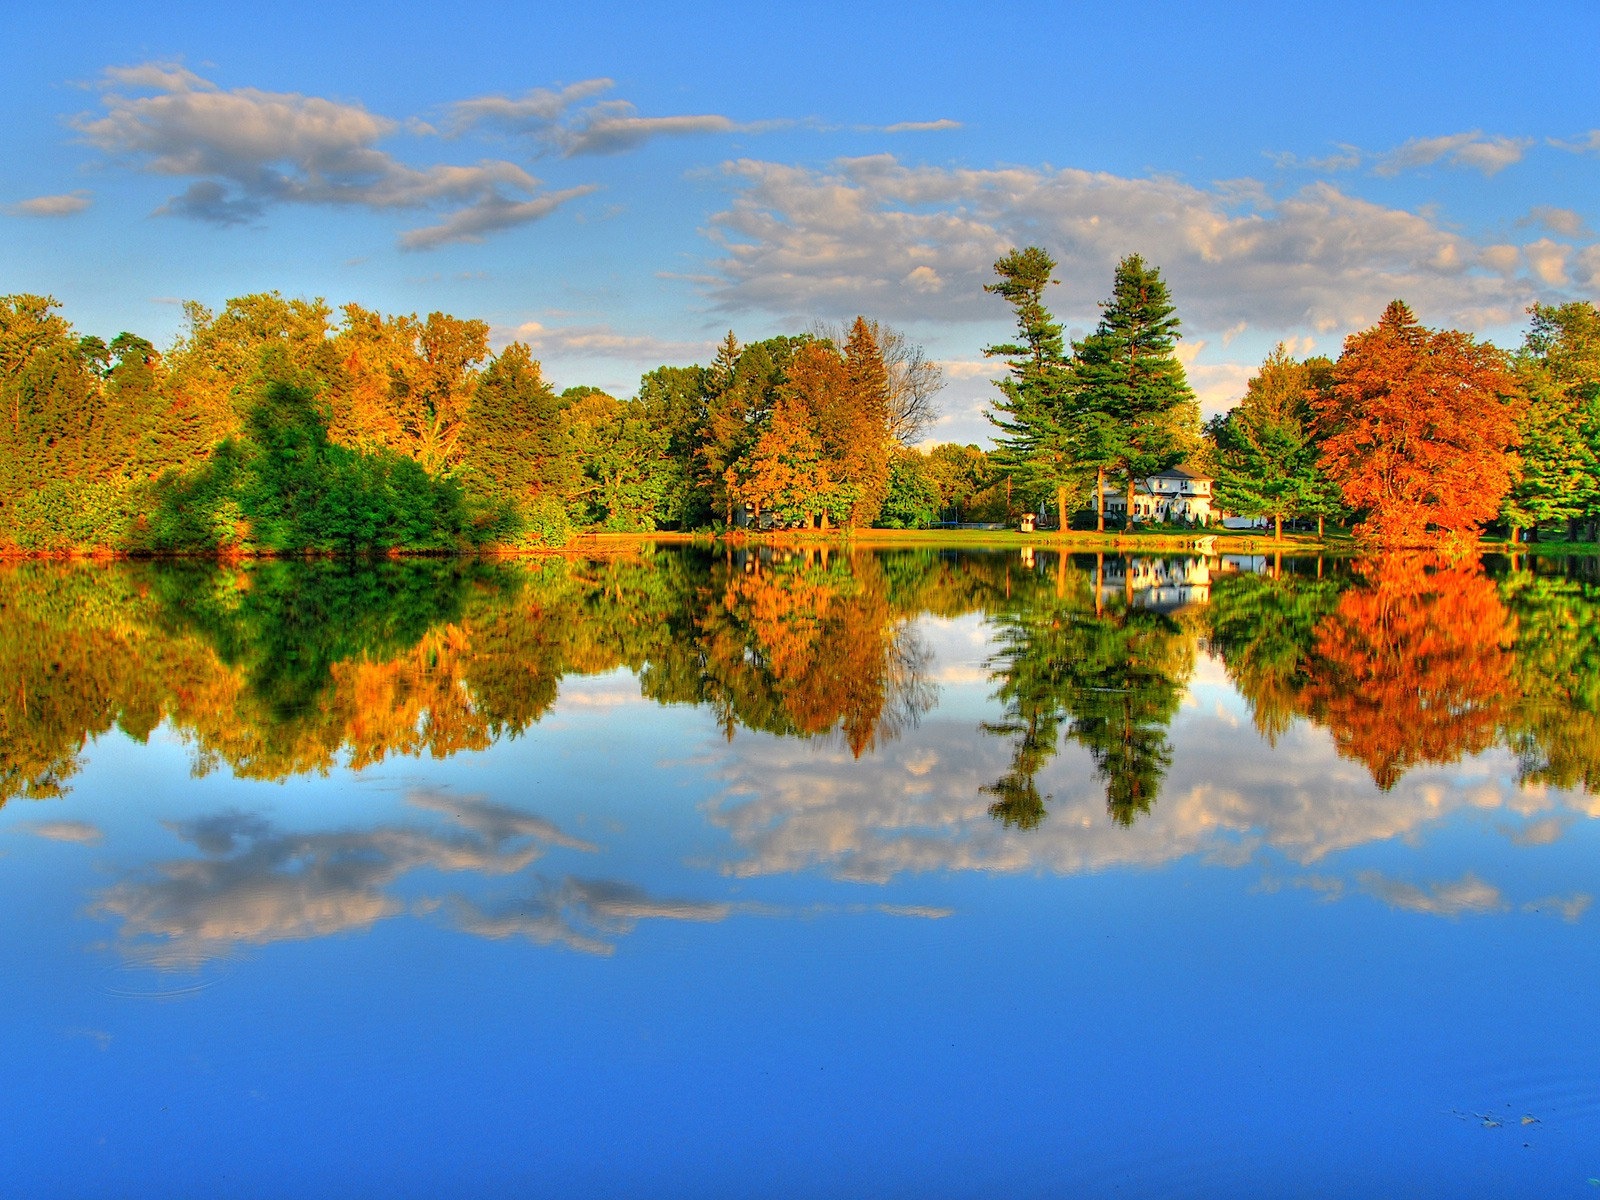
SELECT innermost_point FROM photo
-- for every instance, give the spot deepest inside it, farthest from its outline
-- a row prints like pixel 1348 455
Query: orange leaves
pixel 1415 666
pixel 1418 430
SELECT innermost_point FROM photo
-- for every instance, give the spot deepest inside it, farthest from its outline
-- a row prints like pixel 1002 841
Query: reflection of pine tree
pixel 1115 676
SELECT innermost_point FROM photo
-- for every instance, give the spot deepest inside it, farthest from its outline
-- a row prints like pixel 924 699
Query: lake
pixel 803 874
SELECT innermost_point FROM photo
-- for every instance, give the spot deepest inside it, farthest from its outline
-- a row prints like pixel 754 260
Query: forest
pixel 275 426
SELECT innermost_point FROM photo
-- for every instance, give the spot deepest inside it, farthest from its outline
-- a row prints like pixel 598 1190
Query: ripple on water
pixel 160 974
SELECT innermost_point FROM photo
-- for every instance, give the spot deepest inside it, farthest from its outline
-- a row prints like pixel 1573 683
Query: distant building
pixel 1178 493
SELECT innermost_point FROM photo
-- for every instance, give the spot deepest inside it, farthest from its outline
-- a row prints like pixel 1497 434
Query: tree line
pixel 270 426
pixel 274 425
pixel 1417 436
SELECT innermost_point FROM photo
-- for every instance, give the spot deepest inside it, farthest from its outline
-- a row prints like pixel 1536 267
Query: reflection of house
pixel 1160 584
pixel 1178 493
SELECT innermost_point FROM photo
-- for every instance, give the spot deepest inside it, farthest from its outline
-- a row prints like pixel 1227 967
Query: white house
pixel 1179 492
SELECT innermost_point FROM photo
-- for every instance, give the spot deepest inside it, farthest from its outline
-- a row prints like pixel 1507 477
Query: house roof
pixel 1181 471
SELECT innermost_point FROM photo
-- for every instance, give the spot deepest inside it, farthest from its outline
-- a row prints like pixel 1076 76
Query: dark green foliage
pixel 1038 440
pixel 285 488
pixel 1135 410
pixel 913 499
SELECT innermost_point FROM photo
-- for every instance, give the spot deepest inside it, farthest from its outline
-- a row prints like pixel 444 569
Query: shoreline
pixel 609 544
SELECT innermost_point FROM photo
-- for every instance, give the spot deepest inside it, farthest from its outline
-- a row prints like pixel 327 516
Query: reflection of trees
pixel 1413 666
pixel 1410 662
pixel 1263 627
pixel 1114 674
pixel 808 644
pixel 276 668
pixel 1556 730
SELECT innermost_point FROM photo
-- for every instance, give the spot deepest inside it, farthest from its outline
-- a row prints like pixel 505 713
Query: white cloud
pixel 604 342
pixel 580 914
pixel 1476 150
pixel 1547 260
pixel 553 121
pixel 922 126
pixel 491 214
pixel 254 885
pixel 1561 221
pixel 66 204
pixel 247 150
pixel 800 243
pixel 1344 158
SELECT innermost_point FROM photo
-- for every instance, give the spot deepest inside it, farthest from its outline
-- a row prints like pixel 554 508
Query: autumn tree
pixel 915 380
pixel 1419 429
pixel 861 431
pixel 214 361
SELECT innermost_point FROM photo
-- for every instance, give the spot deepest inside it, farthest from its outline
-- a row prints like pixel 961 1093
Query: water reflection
pixel 279 669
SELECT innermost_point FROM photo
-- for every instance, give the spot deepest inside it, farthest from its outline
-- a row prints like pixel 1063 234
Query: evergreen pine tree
pixel 1136 408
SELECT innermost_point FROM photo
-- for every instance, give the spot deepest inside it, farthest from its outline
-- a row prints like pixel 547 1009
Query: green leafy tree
pixel 913 499
pixel 1265 453
pixel 1558 370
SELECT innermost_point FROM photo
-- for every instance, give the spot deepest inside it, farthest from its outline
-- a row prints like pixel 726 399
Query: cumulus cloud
pixel 1343 158
pixel 1568 908
pixel 857 236
pixel 1547 260
pixel 245 150
pixel 1475 150
pixel 1563 222
pixel 555 123
pixel 66 204
pixel 491 214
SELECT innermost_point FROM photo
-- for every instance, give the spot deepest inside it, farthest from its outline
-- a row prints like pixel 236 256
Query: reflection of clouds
pixel 80 832
pixel 1469 894
pixel 1540 833
pixel 254 885
pixel 1228 796
pixel 1568 908
pixel 580 914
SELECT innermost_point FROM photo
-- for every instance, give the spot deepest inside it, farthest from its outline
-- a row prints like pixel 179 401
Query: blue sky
pixel 619 185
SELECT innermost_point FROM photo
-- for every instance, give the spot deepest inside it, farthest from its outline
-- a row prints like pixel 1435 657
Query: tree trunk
pixel 1319 527
pixel 1128 526
pixel 1277 527
pixel 1100 500
pixel 1061 508
pixel 1516 535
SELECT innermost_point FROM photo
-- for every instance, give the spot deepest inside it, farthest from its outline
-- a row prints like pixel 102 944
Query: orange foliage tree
pixel 1419 429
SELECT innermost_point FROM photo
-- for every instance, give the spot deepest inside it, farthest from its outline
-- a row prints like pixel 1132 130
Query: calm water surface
pixel 704 874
